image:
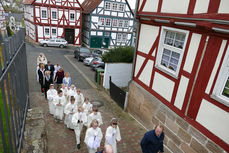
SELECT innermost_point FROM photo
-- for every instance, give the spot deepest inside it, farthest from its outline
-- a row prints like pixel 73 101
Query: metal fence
pixel 14 96
pixel 117 94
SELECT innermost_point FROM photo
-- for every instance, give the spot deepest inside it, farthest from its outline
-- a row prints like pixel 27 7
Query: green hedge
pixel 119 55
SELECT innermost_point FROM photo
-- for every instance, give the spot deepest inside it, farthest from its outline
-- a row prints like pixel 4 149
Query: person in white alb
pixel 65 92
pixel 79 98
pixel 87 106
pixel 71 92
pixel 78 120
pixel 51 94
pixel 95 115
pixel 93 137
pixel 113 134
pixel 60 104
pixel 69 110
pixel 56 67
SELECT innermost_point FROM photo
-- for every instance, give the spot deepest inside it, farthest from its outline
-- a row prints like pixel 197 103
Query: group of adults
pixel 67 104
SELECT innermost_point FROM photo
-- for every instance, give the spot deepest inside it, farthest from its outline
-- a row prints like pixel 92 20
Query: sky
pixel 131 2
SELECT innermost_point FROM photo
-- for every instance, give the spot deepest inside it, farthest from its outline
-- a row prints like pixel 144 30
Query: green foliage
pixel 9 31
pixel 119 55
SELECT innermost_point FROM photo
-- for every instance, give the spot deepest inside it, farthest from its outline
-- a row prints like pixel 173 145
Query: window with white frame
pixel 53 32
pixel 54 15
pixel 101 21
pixel 108 5
pixel 221 89
pixel 126 23
pixel 124 37
pixel 171 49
pixel 47 31
pixel 121 7
pixel 120 23
pixel 114 6
pixel 72 16
pixel 108 22
pixel 115 22
pixel 44 14
pixel 119 37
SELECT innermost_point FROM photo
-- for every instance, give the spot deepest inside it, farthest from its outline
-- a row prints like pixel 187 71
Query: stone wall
pixel 180 136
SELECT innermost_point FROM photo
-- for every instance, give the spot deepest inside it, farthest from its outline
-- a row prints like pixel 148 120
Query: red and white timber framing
pixel 35 24
pixel 190 93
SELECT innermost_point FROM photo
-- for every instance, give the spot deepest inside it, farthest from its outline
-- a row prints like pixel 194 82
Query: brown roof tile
pixel 89 5
pixel 27 2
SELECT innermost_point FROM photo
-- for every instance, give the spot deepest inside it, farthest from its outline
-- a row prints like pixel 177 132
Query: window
pixel 53 32
pixel 54 15
pixel 106 34
pixel 47 31
pixel 120 23
pixel 43 14
pixel 126 24
pixel 108 22
pixel 115 6
pixel 119 37
pixel 124 36
pixel 121 7
pixel 171 49
pixel 115 22
pixel 101 21
pixel 221 89
pixel 108 5
pixel 72 16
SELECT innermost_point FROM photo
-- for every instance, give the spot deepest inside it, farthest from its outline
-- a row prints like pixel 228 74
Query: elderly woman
pixel 59 76
pixel 48 81
pixel 67 80
pixel 41 59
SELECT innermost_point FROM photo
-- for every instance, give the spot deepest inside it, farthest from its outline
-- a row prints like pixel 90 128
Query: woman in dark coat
pixel 41 76
pixel 48 81
pixel 59 76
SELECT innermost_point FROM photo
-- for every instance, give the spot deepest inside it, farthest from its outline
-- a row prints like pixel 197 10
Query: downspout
pixel 135 50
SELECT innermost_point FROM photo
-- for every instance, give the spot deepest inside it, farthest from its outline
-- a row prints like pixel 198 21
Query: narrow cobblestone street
pixel 61 139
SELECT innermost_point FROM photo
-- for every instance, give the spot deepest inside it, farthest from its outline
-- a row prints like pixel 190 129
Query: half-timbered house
pixel 53 18
pixel 107 23
pixel 181 73
pixel 2 21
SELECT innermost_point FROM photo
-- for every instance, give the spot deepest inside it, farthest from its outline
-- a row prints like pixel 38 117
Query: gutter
pixel 132 71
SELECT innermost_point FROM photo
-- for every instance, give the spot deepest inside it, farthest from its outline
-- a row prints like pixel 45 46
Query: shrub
pixel 119 55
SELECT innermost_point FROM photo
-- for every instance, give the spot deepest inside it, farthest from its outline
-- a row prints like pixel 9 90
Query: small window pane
pixel 108 22
pixel 174 39
pixel 108 5
pixel 46 31
pixel 115 23
pixel 101 21
pixel 44 14
pixel 72 16
pixel 126 24
pixel 54 16
pixel 120 24
pixel 121 7
pixel 170 59
pixel 226 89
pixel 115 6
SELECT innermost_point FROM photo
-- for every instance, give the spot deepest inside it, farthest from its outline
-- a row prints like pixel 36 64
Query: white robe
pixel 51 94
pixel 87 108
pixel 56 70
pixel 112 136
pixel 93 139
pixel 98 117
pixel 79 99
pixel 65 93
pixel 59 110
pixel 69 111
pixel 71 93
pixel 78 126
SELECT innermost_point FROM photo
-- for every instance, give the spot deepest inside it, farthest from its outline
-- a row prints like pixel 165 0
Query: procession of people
pixel 67 104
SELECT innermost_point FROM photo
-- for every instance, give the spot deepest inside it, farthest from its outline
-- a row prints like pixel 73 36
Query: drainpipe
pixel 135 50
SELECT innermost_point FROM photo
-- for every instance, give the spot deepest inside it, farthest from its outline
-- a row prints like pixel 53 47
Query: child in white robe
pixel 95 115
pixel 78 120
pixel 65 91
pixel 51 94
pixel 79 98
pixel 87 106
pixel 60 104
pixel 93 137
pixel 71 92
pixel 113 134
pixel 69 110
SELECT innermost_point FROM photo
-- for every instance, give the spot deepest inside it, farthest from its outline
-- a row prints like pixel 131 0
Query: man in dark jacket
pixel 50 67
pixel 152 142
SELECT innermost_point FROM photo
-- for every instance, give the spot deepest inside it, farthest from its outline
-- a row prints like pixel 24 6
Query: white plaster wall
pixel 163 86
pixel 201 6
pixel 151 6
pixel 216 66
pixel 145 76
pixel 148 35
pixel 224 6
pixel 119 72
pixel 175 6
pixel 214 119
pixel 181 92
pixel 192 51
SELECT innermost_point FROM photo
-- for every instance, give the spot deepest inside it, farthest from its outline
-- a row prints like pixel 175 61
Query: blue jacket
pixel 65 82
pixel 151 143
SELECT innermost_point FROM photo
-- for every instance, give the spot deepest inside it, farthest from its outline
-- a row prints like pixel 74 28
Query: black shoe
pixel 78 146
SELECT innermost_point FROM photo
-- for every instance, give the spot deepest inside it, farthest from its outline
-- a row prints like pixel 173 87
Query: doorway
pixel 69 35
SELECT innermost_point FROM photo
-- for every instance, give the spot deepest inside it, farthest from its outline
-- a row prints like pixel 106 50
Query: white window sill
pixel 159 67
pixel 220 100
